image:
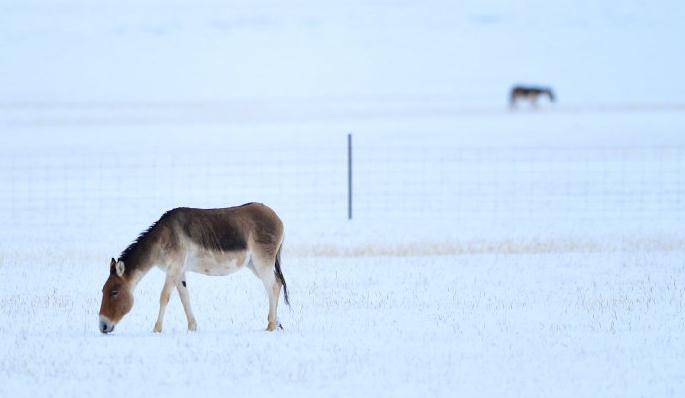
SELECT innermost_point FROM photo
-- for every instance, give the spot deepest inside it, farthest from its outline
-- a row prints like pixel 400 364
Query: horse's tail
pixel 279 275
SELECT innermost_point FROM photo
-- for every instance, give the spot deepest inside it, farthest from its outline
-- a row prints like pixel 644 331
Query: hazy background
pixel 466 52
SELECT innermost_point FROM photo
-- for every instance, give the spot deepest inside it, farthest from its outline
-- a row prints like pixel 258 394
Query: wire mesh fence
pixel 414 180
pixel 525 182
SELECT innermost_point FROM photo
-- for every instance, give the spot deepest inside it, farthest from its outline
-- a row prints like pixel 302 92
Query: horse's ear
pixel 120 268
pixel 112 263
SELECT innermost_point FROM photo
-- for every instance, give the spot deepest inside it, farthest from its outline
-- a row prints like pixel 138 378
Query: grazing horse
pixel 207 241
pixel 530 94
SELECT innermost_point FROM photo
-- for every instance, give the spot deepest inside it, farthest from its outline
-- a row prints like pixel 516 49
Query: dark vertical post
pixel 349 176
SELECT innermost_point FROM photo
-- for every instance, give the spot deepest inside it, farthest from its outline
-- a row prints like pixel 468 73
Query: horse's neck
pixel 142 264
pixel 138 274
pixel 135 277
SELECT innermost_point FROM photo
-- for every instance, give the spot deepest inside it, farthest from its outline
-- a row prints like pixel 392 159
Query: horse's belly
pixel 222 263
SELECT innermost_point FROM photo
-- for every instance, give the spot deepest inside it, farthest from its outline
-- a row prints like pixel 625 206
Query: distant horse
pixel 530 94
pixel 207 241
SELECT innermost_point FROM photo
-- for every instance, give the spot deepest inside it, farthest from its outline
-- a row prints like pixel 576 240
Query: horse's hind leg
pixel 264 269
pixel 273 290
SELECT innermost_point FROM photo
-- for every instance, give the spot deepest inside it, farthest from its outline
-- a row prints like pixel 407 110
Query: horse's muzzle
pixel 105 325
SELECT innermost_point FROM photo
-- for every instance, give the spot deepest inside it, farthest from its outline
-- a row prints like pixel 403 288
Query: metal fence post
pixel 349 176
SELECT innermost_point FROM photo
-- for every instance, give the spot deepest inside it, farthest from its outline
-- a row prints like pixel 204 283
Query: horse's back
pixel 229 229
pixel 266 228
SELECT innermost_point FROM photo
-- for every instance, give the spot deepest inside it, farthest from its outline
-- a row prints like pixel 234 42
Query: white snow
pixel 491 253
pixel 563 325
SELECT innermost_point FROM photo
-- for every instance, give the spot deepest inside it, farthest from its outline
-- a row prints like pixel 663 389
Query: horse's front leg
pixel 182 288
pixel 169 284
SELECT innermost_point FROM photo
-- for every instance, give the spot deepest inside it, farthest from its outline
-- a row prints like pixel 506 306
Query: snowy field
pixel 563 325
pixel 533 253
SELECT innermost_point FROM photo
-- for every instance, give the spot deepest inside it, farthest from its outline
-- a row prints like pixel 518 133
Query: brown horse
pixel 529 93
pixel 207 241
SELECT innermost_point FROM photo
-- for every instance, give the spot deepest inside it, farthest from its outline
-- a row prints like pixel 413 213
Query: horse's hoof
pixel 273 326
pixel 157 329
pixel 192 327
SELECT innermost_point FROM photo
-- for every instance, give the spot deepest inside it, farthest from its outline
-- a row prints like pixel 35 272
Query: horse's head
pixel 117 297
pixel 550 94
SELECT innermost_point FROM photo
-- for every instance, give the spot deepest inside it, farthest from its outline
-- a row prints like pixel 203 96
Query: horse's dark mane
pixel 126 255
pixel 140 247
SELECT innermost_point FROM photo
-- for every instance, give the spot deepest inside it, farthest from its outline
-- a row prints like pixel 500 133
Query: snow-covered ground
pixel 491 253
pixel 562 325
